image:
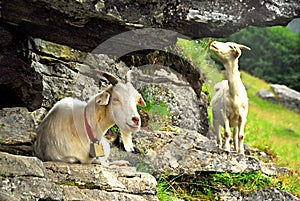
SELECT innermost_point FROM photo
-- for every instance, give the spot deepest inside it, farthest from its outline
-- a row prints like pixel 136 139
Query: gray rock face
pixel 270 194
pixel 16 130
pixel 85 24
pixel 19 84
pixel 283 95
pixel 67 72
pixel 27 178
pixel 187 152
pixel 162 85
pixel 21 166
pixel 61 75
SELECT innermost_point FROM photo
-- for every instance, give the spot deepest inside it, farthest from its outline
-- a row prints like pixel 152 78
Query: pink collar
pixel 89 129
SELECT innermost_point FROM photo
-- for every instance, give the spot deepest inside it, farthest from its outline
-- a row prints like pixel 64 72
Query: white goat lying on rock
pixel 230 101
pixel 72 129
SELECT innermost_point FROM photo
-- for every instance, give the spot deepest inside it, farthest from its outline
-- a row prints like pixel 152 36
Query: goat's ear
pixel 103 98
pixel 244 47
pixel 140 101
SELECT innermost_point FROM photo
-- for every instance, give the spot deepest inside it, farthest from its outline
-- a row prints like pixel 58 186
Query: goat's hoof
pixel 129 148
pixel 220 150
pixel 227 150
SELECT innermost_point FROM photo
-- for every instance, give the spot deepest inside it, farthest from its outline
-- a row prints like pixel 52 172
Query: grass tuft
pixel 207 186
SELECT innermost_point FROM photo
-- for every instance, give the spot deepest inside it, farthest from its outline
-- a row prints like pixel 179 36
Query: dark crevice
pixel 24 149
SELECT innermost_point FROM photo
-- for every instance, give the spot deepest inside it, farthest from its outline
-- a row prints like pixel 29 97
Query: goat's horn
pixel 112 79
pixel 128 76
pixel 244 47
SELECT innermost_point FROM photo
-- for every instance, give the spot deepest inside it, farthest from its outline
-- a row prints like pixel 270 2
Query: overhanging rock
pixel 85 24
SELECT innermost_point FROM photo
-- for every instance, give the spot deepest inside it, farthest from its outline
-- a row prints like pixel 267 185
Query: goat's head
pixel 121 100
pixel 227 52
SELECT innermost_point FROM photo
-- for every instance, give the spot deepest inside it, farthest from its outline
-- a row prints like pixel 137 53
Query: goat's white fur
pixel 62 135
pixel 230 101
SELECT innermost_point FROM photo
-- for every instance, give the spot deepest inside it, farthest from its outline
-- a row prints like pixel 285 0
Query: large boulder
pixel 186 152
pixel 288 97
pixel 282 95
pixel 85 24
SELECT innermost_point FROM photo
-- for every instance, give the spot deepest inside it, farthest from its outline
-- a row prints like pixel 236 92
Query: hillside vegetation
pixel 275 55
pixel 270 127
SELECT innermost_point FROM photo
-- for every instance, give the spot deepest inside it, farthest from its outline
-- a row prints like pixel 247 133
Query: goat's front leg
pixel 235 138
pixel 227 135
pixel 241 136
pixel 217 133
pixel 127 141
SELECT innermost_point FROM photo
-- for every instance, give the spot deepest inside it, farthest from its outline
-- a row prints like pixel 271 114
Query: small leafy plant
pixel 157 110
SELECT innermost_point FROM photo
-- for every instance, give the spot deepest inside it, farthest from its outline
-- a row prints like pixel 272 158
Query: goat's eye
pixel 116 100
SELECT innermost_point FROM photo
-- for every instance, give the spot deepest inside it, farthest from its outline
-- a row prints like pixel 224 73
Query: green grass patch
pixel 272 126
pixel 275 129
pixel 206 186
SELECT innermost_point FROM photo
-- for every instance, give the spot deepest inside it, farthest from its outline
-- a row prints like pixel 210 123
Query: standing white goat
pixel 73 128
pixel 230 101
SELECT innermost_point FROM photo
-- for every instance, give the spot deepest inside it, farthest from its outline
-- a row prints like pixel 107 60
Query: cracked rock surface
pixel 85 24
pixel 26 178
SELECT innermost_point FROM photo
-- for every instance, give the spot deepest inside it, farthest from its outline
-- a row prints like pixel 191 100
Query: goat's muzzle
pixel 213 47
pixel 134 124
pixel 136 120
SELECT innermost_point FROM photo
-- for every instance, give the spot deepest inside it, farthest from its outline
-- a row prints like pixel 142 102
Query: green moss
pixel 79 185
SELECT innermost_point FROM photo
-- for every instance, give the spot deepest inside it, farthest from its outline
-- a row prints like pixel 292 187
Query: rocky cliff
pixel 47 51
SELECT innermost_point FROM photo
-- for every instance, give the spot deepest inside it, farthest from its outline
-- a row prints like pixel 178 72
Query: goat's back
pixel 57 135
